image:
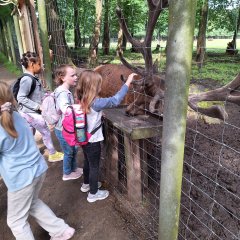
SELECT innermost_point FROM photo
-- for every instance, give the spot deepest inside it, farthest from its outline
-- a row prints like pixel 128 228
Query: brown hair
pixel 88 88
pixel 6 118
pixel 60 73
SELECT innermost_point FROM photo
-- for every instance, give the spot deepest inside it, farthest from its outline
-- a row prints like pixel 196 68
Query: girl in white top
pixel 87 90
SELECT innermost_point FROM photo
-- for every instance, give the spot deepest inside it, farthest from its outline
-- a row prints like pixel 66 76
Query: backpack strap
pixel 95 129
pixel 33 86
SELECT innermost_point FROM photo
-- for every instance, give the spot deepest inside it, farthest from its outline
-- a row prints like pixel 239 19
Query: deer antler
pixel 226 93
pixel 155 8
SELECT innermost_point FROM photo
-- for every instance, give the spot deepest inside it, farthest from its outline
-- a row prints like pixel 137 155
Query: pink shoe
pixel 67 234
pixel 71 176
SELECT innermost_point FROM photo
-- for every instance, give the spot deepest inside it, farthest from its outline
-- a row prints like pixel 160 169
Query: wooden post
pixel 26 31
pixel 133 168
pixel 45 43
pixel 112 155
pixel 18 34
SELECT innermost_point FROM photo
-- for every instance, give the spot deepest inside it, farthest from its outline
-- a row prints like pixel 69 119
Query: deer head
pixel 149 90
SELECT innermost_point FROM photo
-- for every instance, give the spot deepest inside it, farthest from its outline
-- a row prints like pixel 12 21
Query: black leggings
pixel 92 154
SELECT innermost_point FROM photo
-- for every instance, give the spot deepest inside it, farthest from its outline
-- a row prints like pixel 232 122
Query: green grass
pixel 9 65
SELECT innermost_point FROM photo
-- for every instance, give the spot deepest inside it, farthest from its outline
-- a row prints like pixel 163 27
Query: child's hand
pixel 130 79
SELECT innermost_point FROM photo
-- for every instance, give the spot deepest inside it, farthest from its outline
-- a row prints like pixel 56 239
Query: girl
pixel 87 90
pixel 30 105
pixel 65 76
pixel 23 170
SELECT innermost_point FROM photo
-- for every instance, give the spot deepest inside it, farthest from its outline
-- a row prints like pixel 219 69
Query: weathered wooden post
pixel 45 43
pixel 179 57
pixel 18 34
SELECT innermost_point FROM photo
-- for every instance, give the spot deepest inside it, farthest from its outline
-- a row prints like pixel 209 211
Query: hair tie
pixel 6 107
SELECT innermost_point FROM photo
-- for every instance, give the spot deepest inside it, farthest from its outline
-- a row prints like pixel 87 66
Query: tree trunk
pixel 57 32
pixel 201 42
pixel 124 43
pixel 231 47
pixel 106 33
pixel 77 33
pixel 95 39
pixel 178 71
pixel 120 42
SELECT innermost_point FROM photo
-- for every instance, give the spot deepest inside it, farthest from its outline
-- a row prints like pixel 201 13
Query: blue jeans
pixel 70 154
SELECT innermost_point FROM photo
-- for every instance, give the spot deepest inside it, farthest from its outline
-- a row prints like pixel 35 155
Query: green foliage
pixel 9 65
pixel 5 11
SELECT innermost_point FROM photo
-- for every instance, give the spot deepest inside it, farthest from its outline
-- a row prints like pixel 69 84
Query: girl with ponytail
pixel 23 170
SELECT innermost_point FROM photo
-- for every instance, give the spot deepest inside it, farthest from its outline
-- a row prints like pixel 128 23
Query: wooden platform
pixel 135 130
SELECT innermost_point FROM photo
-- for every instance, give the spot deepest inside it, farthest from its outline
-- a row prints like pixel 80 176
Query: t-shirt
pixel 20 159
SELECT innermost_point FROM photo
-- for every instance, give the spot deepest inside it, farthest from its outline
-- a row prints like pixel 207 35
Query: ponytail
pixel 6 118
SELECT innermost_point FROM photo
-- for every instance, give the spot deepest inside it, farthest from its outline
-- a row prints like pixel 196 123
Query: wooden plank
pixel 136 127
pixel 133 169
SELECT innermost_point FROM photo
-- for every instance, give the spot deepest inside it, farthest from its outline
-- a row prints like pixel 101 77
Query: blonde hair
pixel 60 72
pixel 88 88
pixel 6 118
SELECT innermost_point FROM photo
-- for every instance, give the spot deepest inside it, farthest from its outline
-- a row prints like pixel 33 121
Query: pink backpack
pixel 75 126
pixel 49 110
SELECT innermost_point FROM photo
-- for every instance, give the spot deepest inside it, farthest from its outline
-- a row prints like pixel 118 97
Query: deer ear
pixel 155 66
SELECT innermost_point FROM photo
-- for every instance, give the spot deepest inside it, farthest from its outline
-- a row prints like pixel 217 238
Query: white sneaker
pixel 71 176
pixel 86 187
pixel 99 195
pixel 67 234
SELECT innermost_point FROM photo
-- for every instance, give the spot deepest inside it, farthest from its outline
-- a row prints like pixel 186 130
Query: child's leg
pixel 43 214
pixel 39 124
pixel 69 159
pixel 92 152
pixel 85 169
pixel 19 203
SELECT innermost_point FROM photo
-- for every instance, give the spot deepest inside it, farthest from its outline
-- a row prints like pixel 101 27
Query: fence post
pixel 178 68
pixel 45 44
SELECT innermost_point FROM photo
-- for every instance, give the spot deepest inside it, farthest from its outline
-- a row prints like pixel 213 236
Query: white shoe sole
pixel 96 199
pixel 84 190
pixel 66 179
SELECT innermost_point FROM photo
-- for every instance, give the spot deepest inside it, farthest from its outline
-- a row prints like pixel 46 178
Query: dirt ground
pixel 99 220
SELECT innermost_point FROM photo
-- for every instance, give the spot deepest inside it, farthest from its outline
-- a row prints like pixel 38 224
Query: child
pixel 65 76
pixel 87 90
pixel 23 170
pixel 30 106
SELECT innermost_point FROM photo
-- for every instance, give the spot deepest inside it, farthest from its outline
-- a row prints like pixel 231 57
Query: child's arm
pixel 102 103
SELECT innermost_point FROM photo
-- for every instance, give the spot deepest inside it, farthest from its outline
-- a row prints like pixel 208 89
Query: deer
pixel 147 91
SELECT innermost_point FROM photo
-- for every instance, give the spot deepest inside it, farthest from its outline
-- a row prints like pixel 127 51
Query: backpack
pixel 16 85
pixel 49 110
pixel 75 126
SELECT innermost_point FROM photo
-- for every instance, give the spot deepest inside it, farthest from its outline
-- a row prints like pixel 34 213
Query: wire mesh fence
pixel 210 195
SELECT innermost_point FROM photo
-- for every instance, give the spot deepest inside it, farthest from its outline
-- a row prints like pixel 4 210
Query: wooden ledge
pixel 138 127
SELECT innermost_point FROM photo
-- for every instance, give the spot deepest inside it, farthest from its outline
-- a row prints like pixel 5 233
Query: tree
pixel 77 33
pixel 201 40
pixel 95 39
pixel 106 29
pixel 58 41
